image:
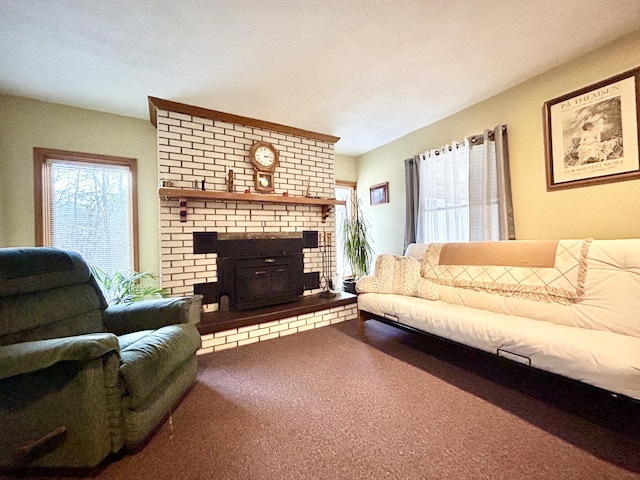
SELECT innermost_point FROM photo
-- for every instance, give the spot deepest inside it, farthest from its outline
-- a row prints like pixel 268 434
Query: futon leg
pixel 361 319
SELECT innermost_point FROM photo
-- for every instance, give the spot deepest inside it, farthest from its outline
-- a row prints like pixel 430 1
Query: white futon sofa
pixel 570 307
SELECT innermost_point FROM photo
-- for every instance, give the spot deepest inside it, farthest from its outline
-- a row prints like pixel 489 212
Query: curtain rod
pixel 474 138
pixel 477 139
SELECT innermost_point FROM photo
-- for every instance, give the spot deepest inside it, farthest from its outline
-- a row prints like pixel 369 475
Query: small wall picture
pixel 591 135
pixel 379 193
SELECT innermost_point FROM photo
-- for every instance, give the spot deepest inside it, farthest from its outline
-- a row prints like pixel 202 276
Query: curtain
pixel 464 191
pixel 490 204
pixel 412 198
pixel 507 223
pixel 444 195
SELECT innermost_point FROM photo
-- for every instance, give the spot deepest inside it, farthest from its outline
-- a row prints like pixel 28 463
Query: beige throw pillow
pixel 399 275
pixel 427 290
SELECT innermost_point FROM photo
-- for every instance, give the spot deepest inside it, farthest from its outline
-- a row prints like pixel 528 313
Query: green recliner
pixel 79 379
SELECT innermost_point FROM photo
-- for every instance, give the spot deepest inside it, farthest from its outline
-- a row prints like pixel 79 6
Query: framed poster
pixel 591 135
pixel 379 193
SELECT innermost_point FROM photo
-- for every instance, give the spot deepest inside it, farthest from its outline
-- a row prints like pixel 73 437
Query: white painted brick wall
pixel 192 149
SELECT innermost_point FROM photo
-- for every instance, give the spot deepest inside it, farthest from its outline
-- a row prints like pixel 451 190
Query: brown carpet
pixel 324 405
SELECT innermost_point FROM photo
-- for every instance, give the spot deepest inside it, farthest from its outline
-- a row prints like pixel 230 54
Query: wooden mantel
pixel 186 194
pixel 156 104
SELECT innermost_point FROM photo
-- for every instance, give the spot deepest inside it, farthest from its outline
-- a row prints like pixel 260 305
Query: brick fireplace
pixel 198 147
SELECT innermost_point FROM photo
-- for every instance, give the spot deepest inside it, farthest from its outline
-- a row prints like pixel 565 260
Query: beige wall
pixel 28 123
pixel 602 211
pixel 346 168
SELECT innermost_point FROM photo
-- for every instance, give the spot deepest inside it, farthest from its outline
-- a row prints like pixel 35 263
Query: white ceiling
pixel 368 71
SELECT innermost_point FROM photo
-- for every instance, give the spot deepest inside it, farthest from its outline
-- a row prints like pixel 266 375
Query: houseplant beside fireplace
pixel 357 247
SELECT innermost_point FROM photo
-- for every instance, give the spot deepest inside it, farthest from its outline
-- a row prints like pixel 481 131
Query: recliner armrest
pixel 26 357
pixel 152 314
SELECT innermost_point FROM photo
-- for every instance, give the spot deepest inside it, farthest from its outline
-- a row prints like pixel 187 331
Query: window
pixel 87 203
pixel 464 191
pixel 444 201
pixel 344 191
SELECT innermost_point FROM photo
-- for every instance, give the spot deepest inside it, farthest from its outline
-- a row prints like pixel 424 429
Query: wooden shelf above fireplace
pixel 185 194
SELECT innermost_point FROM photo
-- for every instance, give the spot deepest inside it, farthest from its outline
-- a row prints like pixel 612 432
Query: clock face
pixel 265 156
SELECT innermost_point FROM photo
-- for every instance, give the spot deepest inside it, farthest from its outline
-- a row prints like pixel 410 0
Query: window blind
pixel 90 211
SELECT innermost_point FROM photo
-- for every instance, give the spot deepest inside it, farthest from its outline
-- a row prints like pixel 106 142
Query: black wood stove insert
pixel 256 270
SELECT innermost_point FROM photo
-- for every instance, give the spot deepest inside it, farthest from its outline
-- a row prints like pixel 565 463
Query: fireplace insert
pixel 264 280
pixel 256 270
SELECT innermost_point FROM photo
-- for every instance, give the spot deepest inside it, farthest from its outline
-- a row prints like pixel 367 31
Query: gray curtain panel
pixel 412 198
pixel 489 179
pixel 507 226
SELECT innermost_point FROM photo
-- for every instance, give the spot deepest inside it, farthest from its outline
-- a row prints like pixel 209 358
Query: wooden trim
pixel 354 187
pixel 156 104
pixel 346 183
pixel 39 163
pixel 171 193
pixel 133 167
pixel 40 183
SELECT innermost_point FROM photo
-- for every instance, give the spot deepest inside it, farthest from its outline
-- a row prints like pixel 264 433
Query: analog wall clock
pixel 264 158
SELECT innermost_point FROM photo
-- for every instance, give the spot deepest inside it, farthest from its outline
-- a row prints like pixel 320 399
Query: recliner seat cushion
pixel 148 357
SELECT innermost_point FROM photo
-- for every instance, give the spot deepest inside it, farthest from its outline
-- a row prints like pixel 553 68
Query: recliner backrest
pixel 47 293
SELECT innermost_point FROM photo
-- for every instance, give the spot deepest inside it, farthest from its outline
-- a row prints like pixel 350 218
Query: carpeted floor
pixel 324 405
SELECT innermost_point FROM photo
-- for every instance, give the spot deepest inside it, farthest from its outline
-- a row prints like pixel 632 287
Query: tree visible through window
pixel 87 204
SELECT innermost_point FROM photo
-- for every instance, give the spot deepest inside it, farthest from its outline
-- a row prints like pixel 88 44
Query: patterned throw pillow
pixel 427 290
pixel 399 275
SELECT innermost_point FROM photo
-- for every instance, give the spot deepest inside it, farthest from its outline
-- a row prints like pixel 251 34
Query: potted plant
pixel 126 287
pixel 357 248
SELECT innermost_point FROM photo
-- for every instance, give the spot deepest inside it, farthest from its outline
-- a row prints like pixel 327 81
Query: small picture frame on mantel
pixel 379 193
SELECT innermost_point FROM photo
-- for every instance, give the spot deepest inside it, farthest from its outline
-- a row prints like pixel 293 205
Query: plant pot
pixel 349 286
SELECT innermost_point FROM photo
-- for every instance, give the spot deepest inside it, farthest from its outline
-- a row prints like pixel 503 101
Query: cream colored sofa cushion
pixel 604 359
